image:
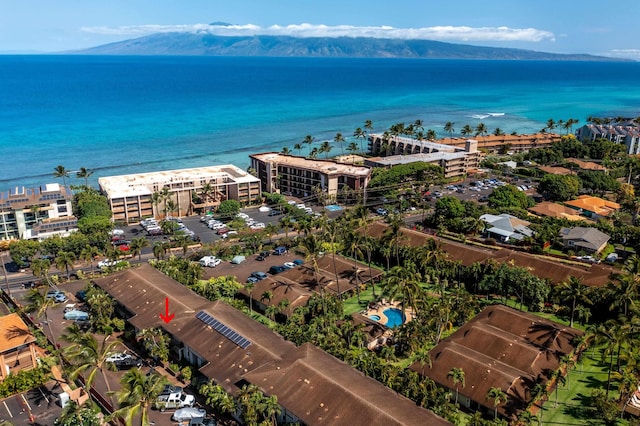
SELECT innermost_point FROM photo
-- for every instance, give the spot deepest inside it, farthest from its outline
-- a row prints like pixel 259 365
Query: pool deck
pixel 381 306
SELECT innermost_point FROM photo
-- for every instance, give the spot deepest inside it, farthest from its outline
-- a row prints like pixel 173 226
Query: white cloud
pixel 624 53
pixel 443 33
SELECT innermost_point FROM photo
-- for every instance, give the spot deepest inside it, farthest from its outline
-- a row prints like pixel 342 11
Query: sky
pixel 561 26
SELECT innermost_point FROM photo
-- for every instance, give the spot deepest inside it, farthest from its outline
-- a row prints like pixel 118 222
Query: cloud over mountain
pixel 305 30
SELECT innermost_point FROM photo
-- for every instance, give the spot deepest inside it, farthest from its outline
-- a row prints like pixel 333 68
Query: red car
pixel 124 247
pixel 222 231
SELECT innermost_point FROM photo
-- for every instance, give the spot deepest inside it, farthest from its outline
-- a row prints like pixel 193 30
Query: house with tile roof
pixel 503 348
pixel 593 207
pixel 559 211
pixel 505 227
pixel 586 239
pixel 17 346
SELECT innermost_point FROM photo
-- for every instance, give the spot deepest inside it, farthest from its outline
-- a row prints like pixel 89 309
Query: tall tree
pixel 448 127
pixel 339 139
pixel 575 291
pixel 298 147
pixel 498 396
pixel 137 245
pixel 86 354
pixel 457 377
pixel 360 135
pixel 85 174
pixel 61 172
pixel 326 148
pixel 136 396
pixel 64 260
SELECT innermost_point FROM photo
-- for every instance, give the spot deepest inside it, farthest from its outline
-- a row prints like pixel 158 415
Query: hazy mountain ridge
pixel 194 44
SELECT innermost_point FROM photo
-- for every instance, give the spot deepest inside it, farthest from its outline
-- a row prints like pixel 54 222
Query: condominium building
pixel 627 134
pixel 454 161
pixel 400 145
pixel 25 211
pixel 176 192
pixel 299 176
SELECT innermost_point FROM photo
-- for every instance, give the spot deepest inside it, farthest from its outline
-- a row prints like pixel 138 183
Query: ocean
pixel 121 115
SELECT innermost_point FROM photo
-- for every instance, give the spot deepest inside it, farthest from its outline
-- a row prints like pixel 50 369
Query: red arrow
pixel 167 317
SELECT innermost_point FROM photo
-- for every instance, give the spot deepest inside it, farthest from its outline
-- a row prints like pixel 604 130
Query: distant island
pixel 205 44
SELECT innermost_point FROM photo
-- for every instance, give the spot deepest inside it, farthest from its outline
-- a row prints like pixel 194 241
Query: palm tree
pixel 40 268
pixel 339 139
pixel 431 135
pixel 87 354
pixel 64 260
pixel 498 397
pixel 481 129
pixel 576 291
pixel 361 135
pixel 326 148
pixel 84 173
pixel 352 147
pixel 136 396
pixel 137 244
pixel 402 283
pixel 298 147
pixel 466 130
pixel 218 398
pixel 206 193
pixel 249 286
pixel 448 127
pixel 286 150
pixel 314 152
pixel 457 376
pixel 551 124
pixel 87 254
pixel 498 132
pixel 308 140
pixel 61 172
pixel 39 304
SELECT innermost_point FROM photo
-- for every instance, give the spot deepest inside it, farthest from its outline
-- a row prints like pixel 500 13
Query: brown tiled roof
pixel 555 170
pixel 319 389
pixel 550 209
pixel 501 347
pixel 14 332
pixel 143 290
pixel 305 276
pixel 228 362
pixel 586 165
pixel 281 289
pixel 594 275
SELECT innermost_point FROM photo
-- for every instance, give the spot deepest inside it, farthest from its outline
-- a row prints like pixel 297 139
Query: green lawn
pixel 351 305
pixel 573 397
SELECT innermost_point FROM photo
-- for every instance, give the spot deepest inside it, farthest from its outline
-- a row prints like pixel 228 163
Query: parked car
pixel 76 315
pixel 278 251
pixel 222 231
pixel 252 280
pixel 227 234
pixel 238 259
pixel 298 262
pixel 188 414
pixel 259 275
pixel 289 265
pixel 381 211
pixel 275 213
pixel 155 230
pixel 128 363
pixel 276 269
pixel 57 295
pixel 210 261
pixel 106 263
pixel 263 255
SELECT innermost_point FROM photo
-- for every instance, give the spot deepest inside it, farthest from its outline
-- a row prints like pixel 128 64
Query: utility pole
pixel 6 278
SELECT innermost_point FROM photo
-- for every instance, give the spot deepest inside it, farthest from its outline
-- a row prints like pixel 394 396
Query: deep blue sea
pixel 121 115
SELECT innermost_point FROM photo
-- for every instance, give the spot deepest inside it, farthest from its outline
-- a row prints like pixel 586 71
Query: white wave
pixel 496 114
pixel 480 116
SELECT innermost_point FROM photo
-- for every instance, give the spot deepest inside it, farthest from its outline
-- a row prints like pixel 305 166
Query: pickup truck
pixel 173 401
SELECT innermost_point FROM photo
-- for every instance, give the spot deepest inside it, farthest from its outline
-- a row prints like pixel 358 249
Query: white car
pixel 258 225
pixel 107 263
pixel 188 413
pixel 243 215
pixel 217 226
pixel 210 261
pixel 229 233
pixel 289 265
pixel 117 356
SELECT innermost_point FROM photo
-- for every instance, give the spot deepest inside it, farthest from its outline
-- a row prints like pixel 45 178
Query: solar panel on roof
pixel 227 332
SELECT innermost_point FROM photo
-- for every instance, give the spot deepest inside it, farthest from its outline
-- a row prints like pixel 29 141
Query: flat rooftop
pixel 413 158
pixel 327 167
pixel 143 183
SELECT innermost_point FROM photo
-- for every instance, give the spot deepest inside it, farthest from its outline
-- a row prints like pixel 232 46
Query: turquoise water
pixel 121 115
pixel 375 317
pixel 394 317
pixel 333 208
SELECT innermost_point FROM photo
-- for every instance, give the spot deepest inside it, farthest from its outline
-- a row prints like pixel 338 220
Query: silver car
pixel 188 413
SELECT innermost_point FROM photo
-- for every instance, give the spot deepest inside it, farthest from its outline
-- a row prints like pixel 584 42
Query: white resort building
pixel 176 192
pixel 36 213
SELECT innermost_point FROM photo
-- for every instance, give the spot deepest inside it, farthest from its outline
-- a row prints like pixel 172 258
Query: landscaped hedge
pixel 23 381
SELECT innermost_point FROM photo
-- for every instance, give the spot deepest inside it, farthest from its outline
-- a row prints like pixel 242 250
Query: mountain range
pixel 205 44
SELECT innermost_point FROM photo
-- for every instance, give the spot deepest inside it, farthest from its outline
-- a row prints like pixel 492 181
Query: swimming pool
pixel 333 208
pixel 394 317
pixel 375 317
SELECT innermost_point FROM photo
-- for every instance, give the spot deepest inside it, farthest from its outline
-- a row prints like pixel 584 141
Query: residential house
pixel 622 133
pixel 593 207
pixel 587 165
pixel 555 170
pixel 556 210
pixel 500 348
pixel 584 239
pixel 17 346
pixel 506 227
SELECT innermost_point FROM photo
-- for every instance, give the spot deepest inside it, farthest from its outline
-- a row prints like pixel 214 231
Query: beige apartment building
pixel 298 176
pixel 137 196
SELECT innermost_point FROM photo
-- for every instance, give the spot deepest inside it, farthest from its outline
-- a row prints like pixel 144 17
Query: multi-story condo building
pixel 401 145
pixel 627 134
pixel 176 192
pixel 299 176
pixel 36 212
pixel 453 160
